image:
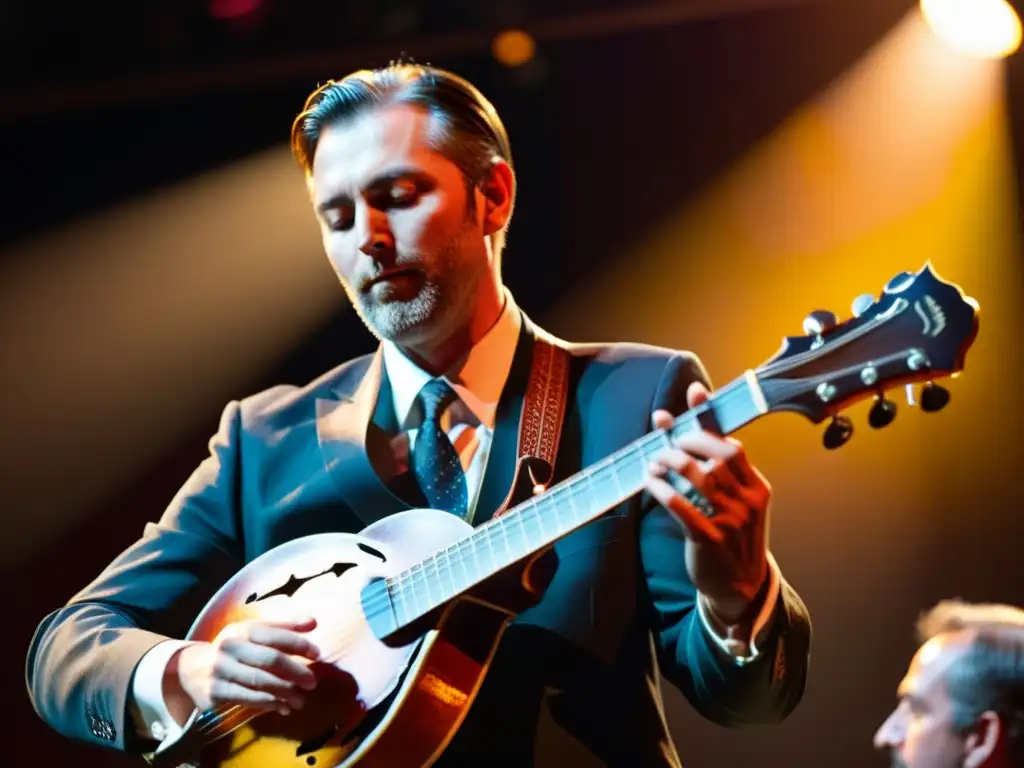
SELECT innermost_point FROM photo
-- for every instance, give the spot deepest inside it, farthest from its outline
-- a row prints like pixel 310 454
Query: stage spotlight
pixel 988 29
pixel 513 47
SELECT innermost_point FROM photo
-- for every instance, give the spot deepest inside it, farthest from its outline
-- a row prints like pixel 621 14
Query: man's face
pixel 398 225
pixel 919 733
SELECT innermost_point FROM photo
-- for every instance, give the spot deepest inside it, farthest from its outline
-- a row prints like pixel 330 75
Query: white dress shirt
pixel 478 381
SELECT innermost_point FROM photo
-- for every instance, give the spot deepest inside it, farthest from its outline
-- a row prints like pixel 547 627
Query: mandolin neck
pixel 536 524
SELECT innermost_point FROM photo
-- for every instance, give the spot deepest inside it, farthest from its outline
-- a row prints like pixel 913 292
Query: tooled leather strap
pixel 540 421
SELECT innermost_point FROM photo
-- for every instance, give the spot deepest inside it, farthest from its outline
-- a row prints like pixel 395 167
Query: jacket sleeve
pixel 762 687
pixel 82 657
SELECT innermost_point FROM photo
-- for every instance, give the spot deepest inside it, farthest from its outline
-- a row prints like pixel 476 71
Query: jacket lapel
pixel 500 472
pixel 353 428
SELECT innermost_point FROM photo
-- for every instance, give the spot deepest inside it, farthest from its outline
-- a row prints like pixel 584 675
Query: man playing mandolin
pixel 410 174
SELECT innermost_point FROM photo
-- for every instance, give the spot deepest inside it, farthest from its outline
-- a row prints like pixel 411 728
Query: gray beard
pixel 438 307
pixel 406 321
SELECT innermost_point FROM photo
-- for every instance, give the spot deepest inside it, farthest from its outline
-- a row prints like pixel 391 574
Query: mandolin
pixel 411 610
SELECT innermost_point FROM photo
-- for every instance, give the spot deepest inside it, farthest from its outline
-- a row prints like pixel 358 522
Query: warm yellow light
pixel 513 47
pixel 987 29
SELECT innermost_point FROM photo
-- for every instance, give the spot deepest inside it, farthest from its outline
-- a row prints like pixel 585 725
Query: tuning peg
pixel 899 282
pixel 933 397
pixel 838 432
pixel 882 412
pixel 819 321
pixel 861 304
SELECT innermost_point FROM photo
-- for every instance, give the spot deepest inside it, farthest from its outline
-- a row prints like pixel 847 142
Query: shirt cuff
pixel 744 649
pixel 152 718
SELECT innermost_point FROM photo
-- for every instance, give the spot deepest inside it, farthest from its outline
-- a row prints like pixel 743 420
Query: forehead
pixel 351 153
pixel 928 668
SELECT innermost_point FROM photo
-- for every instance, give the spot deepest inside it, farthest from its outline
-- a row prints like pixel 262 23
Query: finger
pixel 755 497
pixel 696 394
pixel 708 445
pixel 709 479
pixel 280 665
pixel 295 621
pixel 719 482
pixel 703 476
pixel 726 450
pixel 258 680
pixel 698 528
pixel 675 460
pixel 284 640
pixel 662 419
pixel 229 692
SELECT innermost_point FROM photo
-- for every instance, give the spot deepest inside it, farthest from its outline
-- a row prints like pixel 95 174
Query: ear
pixel 499 192
pixel 982 741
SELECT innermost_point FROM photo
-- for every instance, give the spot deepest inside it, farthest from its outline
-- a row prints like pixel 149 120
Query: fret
pixel 459 583
pixel 444 563
pixel 516 537
pixel 439 573
pixel 421 591
pixel 549 525
pixel 479 572
pixel 398 602
pixel 470 576
pixel 653 447
pixel 572 507
pixel 616 479
pixel 407 601
pixel 631 471
pixel 490 549
pixel 430 578
pixel 481 556
pixel 539 507
pixel 522 528
pixel 504 538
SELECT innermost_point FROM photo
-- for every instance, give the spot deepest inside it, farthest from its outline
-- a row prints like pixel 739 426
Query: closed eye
pixel 398 193
pixel 339 219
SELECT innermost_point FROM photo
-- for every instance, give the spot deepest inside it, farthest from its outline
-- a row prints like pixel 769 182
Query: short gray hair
pixel 989 676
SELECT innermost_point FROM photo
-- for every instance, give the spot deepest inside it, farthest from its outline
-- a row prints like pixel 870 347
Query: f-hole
pixel 317 742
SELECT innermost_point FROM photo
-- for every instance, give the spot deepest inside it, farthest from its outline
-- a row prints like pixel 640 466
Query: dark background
pixel 611 132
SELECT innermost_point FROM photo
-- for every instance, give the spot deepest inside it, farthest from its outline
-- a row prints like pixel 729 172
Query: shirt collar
pixel 478 379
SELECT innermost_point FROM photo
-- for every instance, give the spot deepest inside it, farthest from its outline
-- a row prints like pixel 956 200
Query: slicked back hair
pixel 466 127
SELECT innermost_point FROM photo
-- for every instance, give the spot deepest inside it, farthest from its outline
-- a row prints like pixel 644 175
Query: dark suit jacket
pixel 576 679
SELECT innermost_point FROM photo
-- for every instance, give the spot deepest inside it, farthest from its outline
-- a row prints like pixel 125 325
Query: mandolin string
pixel 382 602
pixel 527 512
pixel 787 364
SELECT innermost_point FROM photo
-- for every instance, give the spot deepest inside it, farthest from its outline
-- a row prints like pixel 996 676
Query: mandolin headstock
pixel 918 330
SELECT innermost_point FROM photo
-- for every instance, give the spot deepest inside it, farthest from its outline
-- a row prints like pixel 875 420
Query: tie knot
pixel 435 397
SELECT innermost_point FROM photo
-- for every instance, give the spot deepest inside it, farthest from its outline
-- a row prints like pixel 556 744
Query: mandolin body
pixel 380 701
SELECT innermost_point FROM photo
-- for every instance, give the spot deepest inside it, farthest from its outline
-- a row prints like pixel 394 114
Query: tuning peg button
pixel 862 304
pixel 837 433
pixel 819 321
pixel 882 413
pixel 899 282
pixel 933 397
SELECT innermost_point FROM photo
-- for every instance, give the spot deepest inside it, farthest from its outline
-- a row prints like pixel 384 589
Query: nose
pixel 887 735
pixel 373 231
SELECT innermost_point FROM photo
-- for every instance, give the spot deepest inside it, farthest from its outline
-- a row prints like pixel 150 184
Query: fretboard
pixel 538 523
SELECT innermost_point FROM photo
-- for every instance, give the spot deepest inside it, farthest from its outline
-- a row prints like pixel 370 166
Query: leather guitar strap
pixel 543 413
